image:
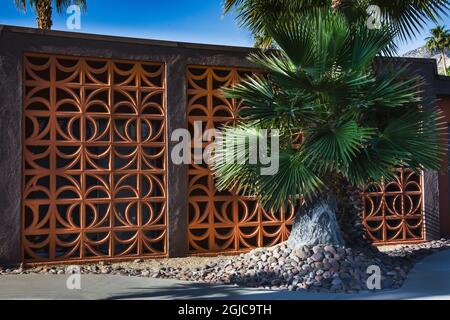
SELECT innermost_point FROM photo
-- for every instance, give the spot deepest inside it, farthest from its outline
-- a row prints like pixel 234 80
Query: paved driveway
pixel 430 279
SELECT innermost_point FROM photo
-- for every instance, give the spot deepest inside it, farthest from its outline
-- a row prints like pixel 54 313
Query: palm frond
pixel 393 89
pixel 416 138
pixel 61 5
pixel 269 107
pixel 410 17
pixel 333 147
pixel 292 177
pixel 407 18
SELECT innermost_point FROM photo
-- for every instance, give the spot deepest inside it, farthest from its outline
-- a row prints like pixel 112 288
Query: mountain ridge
pixel 423 52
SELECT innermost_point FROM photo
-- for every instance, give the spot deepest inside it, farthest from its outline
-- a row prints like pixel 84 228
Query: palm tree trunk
pixel 44 14
pixel 335 4
pixel 444 61
pixel 333 217
pixel 315 223
pixel 349 212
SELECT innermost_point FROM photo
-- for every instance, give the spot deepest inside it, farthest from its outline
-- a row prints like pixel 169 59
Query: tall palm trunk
pixel 444 61
pixel 44 14
pixel 331 217
pixel 335 4
pixel 349 211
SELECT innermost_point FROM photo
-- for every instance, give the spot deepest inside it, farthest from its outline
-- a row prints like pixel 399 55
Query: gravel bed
pixel 317 269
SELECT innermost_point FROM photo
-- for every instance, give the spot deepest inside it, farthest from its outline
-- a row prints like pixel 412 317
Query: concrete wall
pixel 15 41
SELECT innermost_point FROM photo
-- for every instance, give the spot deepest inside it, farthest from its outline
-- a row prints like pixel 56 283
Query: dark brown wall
pixel 444 201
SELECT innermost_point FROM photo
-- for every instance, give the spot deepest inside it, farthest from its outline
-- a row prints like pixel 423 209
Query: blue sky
pixel 199 21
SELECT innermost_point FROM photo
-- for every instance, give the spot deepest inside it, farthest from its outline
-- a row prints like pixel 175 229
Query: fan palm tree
pixel 44 9
pixel 439 41
pixel 357 121
pixel 407 17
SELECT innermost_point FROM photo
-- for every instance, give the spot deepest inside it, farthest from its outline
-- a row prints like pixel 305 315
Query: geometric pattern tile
pixel 223 222
pixel 393 212
pixel 94 159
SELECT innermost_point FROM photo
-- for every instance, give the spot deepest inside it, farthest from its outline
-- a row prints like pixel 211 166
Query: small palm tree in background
pixel 357 122
pixel 439 41
pixel 406 17
pixel 44 9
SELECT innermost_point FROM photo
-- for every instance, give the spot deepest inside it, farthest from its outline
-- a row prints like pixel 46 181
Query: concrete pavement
pixel 430 279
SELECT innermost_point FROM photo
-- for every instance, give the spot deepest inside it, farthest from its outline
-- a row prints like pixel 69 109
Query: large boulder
pixel 316 224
